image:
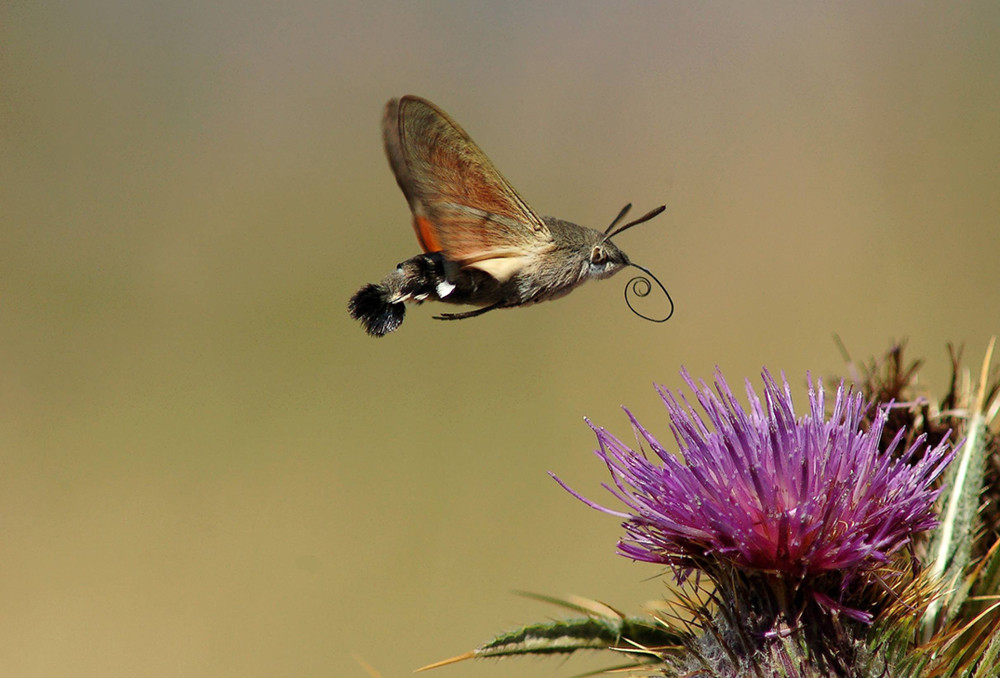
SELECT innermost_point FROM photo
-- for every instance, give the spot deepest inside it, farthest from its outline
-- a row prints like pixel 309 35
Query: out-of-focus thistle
pixel 850 541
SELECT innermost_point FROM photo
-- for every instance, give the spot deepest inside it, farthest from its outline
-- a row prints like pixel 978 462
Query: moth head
pixel 606 259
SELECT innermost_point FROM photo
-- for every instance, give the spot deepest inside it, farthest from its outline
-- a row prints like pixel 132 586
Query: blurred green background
pixel 208 469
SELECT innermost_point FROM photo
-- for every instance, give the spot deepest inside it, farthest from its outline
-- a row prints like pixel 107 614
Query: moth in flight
pixel 482 245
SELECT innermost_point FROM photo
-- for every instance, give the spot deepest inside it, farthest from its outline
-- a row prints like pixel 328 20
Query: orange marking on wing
pixel 426 234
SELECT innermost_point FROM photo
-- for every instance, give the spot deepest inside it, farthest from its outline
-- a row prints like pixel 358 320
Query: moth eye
pixel 598 256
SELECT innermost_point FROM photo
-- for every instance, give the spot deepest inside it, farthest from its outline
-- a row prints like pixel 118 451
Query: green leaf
pixel 991 659
pixel 636 635
pixel 951 542
pixel 569 635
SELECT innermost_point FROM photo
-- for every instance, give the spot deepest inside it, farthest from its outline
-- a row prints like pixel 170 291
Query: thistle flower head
pixel 760 493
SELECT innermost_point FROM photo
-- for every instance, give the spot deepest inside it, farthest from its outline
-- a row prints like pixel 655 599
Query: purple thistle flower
pixel 762 494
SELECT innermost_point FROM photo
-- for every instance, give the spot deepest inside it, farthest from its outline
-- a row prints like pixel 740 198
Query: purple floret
pixel 762 490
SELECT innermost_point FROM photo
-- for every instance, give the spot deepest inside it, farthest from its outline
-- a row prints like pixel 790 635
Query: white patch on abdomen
pixel 444 288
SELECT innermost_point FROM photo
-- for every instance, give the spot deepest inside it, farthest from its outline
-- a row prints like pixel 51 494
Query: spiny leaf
pixel 986 577
pixel 967 645
pixel 633 634
pixel 991 658
pixel 951 543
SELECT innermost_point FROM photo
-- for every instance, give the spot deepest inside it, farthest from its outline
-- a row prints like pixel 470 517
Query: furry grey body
pixel 574 255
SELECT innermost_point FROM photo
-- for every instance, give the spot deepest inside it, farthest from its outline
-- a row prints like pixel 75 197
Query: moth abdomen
pixel 425 277
pixel 373 306
pixel 381 307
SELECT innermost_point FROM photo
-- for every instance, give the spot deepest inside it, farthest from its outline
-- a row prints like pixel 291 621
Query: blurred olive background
pixel 208 469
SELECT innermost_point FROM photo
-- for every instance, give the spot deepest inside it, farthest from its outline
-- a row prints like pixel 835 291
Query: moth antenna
pixel 644 218
pixel 614 222
pixel 641 287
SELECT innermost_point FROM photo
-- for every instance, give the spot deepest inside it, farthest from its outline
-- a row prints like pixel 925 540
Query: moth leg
pixel 467 314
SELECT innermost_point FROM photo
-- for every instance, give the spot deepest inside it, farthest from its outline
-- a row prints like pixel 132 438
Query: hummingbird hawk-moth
pixel 482 245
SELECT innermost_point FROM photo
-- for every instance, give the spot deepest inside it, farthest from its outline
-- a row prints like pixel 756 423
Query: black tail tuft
pixel 377 314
